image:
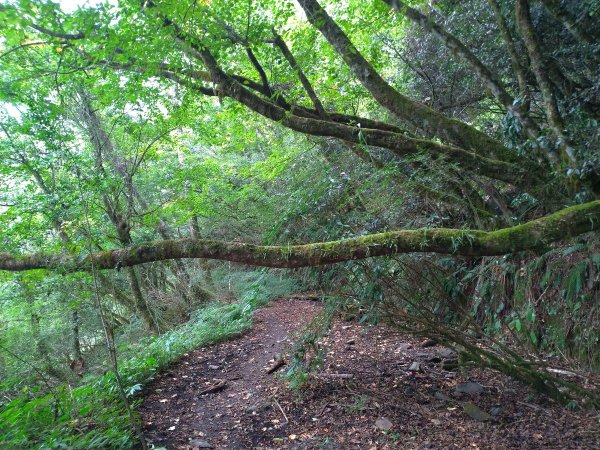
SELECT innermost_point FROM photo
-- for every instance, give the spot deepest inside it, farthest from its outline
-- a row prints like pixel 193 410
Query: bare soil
pixel 376 390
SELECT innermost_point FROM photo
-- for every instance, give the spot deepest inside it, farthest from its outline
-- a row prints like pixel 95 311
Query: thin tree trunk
pixel 76 340
pixel 540 71
pixel 120 167
pixel 515 60
pixel 287 54
pixel 140 303
pixel 460 50
pixel 100 143
pixel 569 22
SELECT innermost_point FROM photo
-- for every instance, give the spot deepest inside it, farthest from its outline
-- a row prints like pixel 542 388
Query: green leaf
pixel 517 325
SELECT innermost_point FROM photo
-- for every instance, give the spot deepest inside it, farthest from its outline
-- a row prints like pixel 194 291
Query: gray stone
pixel 403 347
pixel 447 353
pixel 383 424
pixel 199 443
pixel 469 388
pixel 496 410
pixel 441 396
pixel 415 367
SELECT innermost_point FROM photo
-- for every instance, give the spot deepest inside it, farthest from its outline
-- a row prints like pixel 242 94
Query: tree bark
pixel 563 224
pixel 540 71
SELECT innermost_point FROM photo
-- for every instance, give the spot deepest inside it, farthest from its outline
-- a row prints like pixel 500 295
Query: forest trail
pixel 376 390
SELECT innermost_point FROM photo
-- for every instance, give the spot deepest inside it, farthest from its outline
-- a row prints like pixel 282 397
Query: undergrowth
pixel 529 316
pixel 93 415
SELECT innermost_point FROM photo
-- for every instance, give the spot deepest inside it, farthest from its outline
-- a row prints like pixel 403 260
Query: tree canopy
pixel 167 66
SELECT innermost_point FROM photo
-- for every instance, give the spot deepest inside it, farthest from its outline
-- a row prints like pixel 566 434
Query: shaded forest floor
pixel 377 390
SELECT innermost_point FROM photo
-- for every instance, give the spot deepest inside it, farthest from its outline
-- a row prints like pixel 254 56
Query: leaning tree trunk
pixel 461 51
pixel 540 71
pixel 569 22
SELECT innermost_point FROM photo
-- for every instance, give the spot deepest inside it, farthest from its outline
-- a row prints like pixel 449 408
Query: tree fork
pixel 565 223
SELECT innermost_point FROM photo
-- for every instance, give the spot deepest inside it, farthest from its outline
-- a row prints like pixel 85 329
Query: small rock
pixel 469 388
pixel 213 367
pixel 441 396
pixel 447 353
pixel 415 367
pixel 496 410
pixel 436 422
pixel 199 443
pixel 403 347
pixel 383 424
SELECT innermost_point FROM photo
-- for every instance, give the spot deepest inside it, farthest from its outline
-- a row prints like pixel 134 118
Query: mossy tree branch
pixel 539 68
pixel 565 223
pixel 405 108
pixel 523 175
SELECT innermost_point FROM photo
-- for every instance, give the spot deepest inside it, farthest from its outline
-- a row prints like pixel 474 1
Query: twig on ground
pixel 282 411
pixel 279 362
pixel 336 375
pixel 219 386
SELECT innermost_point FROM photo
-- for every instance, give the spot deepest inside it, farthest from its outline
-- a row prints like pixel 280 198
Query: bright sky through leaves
pixel 72 5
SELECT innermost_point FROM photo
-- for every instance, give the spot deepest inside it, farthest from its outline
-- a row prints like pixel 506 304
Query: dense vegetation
pixel 153 153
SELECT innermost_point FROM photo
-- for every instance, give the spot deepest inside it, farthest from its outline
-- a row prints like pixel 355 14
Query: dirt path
pixel 377 390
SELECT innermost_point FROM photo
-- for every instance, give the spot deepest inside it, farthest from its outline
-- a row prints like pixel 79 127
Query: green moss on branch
pixel 537 233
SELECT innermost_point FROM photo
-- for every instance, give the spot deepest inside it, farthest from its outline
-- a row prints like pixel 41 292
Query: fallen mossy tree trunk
pixel 565 223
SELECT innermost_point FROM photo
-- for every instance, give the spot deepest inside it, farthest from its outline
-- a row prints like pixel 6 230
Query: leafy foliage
pixel 127 122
